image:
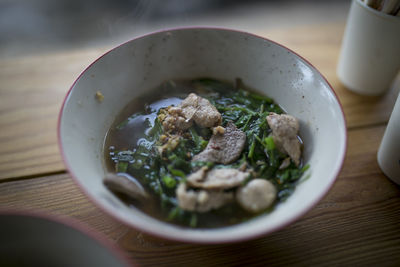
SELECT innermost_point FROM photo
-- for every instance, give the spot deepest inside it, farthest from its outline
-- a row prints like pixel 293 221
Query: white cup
pixel 389 150
pixel 370 56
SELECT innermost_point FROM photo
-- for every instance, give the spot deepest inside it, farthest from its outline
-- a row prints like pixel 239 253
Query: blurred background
pixel 37 26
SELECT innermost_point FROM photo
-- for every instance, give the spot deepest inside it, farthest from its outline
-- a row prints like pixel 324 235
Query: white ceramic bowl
pixel 36 239
pixel 142 64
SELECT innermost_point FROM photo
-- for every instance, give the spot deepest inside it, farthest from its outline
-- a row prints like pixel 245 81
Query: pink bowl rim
pixel 74 224
pixel 178 238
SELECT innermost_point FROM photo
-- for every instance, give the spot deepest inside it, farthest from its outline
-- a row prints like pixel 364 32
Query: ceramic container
pixel 389 150
pixel 137 66
pixel 370 56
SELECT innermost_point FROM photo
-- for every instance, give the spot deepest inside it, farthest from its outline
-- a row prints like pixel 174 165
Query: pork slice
pixel 190 105
pixel 285 129
pixel 201 111
pixel 223 147
pixel 217 178
pixel 203 200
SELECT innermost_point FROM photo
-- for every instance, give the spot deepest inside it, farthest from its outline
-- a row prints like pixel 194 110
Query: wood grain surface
pixel 356 224
pixel 31 93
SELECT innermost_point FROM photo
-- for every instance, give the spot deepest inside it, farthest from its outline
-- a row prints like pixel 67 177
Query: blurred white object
pixel 389 151
pixel 370 55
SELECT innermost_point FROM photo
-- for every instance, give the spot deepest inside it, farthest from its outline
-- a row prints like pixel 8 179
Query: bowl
pixel 37 239
pixel 139 65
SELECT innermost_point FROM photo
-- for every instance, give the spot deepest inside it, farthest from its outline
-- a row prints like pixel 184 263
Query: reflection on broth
pixel 208 153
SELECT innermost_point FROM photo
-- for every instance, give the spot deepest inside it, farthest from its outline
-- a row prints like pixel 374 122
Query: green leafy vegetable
pixel 122 166
pixel 162 172
pixel 169 181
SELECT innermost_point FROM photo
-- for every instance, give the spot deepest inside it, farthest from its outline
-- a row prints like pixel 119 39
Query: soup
pixel 206 154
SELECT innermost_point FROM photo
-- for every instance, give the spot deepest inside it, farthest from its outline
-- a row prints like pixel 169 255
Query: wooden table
pixel 357 223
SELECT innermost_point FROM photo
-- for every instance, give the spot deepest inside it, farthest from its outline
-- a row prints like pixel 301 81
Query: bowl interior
pixel 142 64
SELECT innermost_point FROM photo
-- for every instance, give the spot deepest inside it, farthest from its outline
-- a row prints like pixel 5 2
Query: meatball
pixel 257 195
